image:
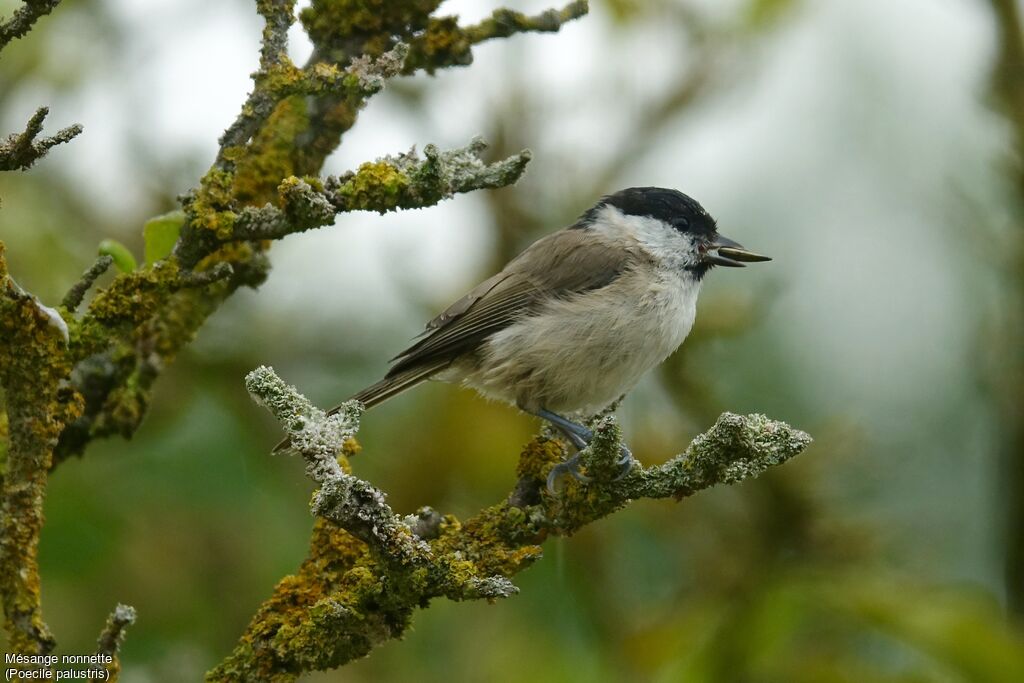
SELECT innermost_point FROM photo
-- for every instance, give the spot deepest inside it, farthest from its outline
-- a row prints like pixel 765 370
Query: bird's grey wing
pixel 562 264
pixel 463 304
pixel 482 316
pixel 573 261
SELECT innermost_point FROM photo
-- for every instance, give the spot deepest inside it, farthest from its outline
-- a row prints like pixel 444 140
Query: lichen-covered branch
pixel 263 185
pixel 20 150
pixel 71 377
pixel 405 181
pixel 368 568
pixel 34 368
pixel 73 299
pixel 278 78
pixel 109 642
pixel 350 503
pixel 23 18
pixel 278 17
pixel 444 43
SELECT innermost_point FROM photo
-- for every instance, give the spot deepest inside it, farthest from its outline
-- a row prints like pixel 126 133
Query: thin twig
pixel 23 19
pixel 220 271
pixel 430 55
pixel 109 643
pixel 21 150
pixel 73 299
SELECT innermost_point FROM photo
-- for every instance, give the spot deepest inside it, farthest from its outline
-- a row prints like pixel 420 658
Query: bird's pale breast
pixel 583 352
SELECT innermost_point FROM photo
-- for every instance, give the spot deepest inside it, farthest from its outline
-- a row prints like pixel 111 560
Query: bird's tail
pixel 391 385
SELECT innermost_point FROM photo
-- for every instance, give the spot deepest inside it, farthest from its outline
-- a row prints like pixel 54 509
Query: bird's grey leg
pixel 580 437
pixel 577 433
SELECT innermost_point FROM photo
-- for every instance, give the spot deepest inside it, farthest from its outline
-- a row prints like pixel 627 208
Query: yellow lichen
pixel 35 365
pixel 538 457
pixel 376 186
pixel 271 155
pixel 329 20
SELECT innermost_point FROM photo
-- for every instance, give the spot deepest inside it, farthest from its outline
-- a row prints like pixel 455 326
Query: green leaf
pixel 161 234
pixel 123 258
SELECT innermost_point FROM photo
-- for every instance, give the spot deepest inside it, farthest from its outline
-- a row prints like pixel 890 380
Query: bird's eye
pixel 681 224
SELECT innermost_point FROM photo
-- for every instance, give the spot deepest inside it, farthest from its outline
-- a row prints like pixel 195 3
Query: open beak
pixel 725 252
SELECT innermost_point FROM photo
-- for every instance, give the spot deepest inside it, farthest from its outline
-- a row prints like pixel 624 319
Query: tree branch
pixel 278 78
pixel 23 19
pixel 444 43
pixel 263 184
pixel 73 299
pixel 368 569
pixel 393 182
pixel 20 150
pixel 34 367
pixel 68 381
pixel 109 642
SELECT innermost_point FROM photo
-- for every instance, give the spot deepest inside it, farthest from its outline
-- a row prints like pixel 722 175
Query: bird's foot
pixel 580 437
pixel 626 462
pixel 570 466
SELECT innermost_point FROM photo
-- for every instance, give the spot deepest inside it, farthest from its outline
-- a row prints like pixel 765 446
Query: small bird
pixel 573 322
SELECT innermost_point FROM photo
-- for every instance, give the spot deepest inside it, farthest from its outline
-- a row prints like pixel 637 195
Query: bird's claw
pixel 570 466
pixel 580 437
pixel 626 462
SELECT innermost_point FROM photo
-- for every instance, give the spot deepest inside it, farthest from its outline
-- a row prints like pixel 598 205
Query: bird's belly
pixel 582 354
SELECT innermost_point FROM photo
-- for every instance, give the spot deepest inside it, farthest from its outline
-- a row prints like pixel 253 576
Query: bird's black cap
pixel 670 206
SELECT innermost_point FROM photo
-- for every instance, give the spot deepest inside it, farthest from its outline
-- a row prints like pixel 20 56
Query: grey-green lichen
pixel 737 447
pixel 262 186
pixel 368 568
pixel 23 18
pixel 404 181
pixel 373 23
pixel 20 150
pixel 62 392
pixel 362 78
pixel 444 43
pixel 73 298
pixel 109 642
pixel 34 368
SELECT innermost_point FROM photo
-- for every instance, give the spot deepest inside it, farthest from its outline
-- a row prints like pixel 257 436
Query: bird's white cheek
pixel 662 242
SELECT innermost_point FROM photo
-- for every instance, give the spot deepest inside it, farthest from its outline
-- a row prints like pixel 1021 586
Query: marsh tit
pixel 574 321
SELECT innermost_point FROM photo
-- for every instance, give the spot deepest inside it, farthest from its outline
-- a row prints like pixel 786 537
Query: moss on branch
pixel 71 378
pixel 34 368
pixel 368 568
pixel 443 43
pixel 405 181
pixel 73 298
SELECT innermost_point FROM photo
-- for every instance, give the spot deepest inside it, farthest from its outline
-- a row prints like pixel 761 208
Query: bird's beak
pixel 725 252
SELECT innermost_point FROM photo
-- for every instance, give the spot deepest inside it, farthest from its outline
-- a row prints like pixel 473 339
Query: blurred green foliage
pixel 870 558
